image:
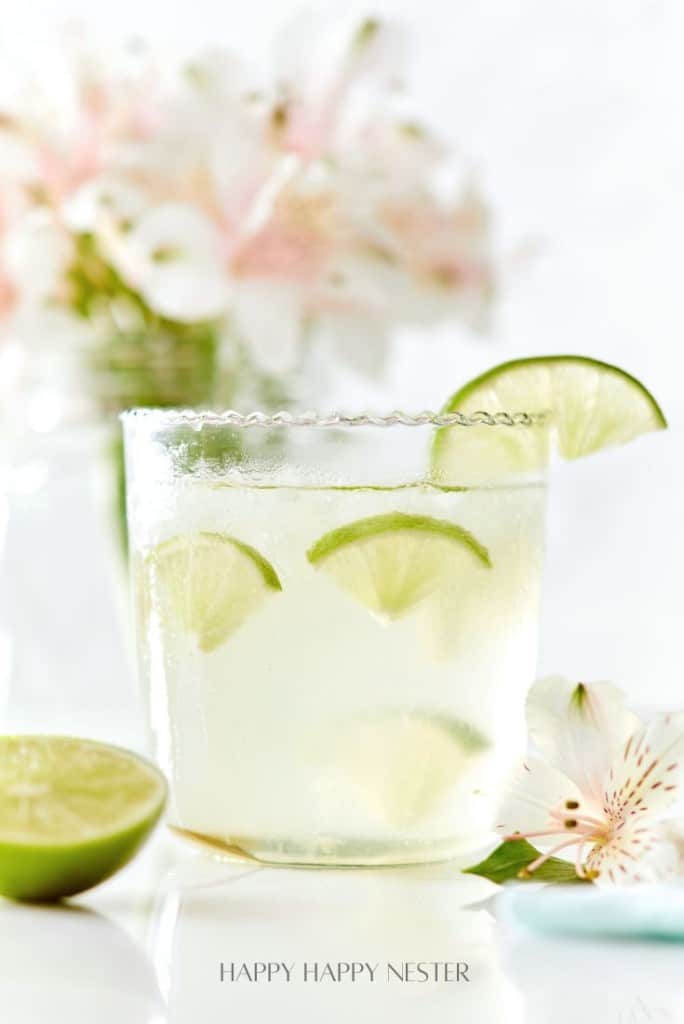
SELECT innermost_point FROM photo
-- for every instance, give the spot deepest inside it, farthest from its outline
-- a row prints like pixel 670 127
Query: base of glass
pixel 325 851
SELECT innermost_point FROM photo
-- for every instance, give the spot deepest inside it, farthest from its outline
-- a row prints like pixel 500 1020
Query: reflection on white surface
pixel 70 964
pixel 596 982
pixel 210 916
pixel 190 913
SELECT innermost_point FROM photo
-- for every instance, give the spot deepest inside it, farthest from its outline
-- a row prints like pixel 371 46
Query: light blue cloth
pixel 642 911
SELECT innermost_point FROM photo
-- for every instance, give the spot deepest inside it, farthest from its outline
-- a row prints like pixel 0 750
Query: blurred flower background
pixel 202 232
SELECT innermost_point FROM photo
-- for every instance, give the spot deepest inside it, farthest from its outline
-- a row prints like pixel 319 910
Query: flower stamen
pixel 531 835
pixel 580 870
pixel 586 821
pixel 536 864
pixel 584 828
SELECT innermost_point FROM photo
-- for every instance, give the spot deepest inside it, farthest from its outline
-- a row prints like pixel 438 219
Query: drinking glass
pixel 336 633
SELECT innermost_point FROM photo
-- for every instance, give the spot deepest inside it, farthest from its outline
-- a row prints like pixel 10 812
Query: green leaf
pixel 513 856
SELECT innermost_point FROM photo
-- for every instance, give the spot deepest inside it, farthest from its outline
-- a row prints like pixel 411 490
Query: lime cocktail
pixel 336 629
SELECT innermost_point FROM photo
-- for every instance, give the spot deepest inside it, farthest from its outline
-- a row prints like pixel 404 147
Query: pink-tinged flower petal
pixel 647 775
pixel 324 67
pixel 535 791
pixel 638 852
pixel 278 252
pixel 443 249
pixel 579 728
pixel 293 239
pixel 8 295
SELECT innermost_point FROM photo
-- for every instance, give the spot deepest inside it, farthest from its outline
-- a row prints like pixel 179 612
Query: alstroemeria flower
pixel 173 257
pixel 603 784
pixel 8 295
pixel 323 68
pixel 106 200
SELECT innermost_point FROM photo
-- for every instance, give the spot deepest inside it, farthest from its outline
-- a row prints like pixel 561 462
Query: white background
pixel 573 114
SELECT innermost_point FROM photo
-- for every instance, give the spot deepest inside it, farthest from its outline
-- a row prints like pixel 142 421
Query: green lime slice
pixel 72 812
pixel 590 405
pixel 392 563
pixel 208 584
pixel 403 764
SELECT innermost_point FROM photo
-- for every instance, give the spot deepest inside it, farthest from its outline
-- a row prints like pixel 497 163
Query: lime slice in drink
pixel 590 405
pixel 403 764
pixel 72 812
pixel 208 584
pixel 392 563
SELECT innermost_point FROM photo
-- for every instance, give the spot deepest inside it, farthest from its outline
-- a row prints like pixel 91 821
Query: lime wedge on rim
pixel 590 405
pixel 72 812
pixel 208 584
pixel 403 764
pixel 391 563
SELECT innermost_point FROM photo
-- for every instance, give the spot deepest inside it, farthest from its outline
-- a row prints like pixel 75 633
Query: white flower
pixel 36 252
pixel 604 784
pixel 106 199
pixel 173 257
pixel 332 75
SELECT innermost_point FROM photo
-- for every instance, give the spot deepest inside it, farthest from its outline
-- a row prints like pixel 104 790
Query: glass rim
pixel 397 418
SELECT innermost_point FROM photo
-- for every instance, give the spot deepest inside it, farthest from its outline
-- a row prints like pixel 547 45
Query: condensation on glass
pixel 336 631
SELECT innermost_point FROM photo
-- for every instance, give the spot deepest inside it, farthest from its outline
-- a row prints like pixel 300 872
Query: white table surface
pixel 146 948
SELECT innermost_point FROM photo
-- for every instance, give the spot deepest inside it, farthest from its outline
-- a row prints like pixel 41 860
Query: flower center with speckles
pixel 578 829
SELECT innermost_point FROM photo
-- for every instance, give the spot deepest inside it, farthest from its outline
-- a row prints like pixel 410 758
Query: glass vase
pixel 65 647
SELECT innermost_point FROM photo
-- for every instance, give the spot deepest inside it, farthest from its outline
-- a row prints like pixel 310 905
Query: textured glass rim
pixel 231 418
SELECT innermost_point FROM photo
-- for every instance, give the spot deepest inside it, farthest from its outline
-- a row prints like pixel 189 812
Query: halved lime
pixel 403 764
pixel 392 563
pixel 208 584
pixel 590 405
pixel 72 812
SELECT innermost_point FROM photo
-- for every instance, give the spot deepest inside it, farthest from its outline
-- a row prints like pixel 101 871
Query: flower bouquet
pixel 197 232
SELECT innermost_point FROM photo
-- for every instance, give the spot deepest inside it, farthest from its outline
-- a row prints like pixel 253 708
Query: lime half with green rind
pixel 72 812
pixel 394 562
pixel 587 405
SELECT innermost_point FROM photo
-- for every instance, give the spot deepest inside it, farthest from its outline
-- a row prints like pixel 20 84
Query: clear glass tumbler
pixel 336 632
